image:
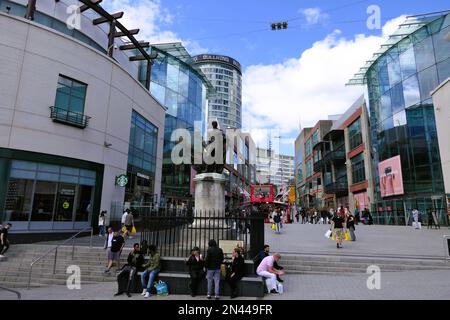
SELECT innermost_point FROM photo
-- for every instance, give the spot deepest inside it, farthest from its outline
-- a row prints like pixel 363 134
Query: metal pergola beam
pixel 104 19
pixel 84 7
pixel 121 34
pixel 133 46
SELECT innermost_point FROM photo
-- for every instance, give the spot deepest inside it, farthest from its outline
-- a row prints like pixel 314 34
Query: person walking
pixel 129 224
pixel 135 262
pixel 277 221
pixel 351 226
pixel 213 261
pixel 266 270
pixel 338 227
pixel 102 223
pixel 108 244
pixel 196 264
pixel 117 244
pixel 236 272
pixel 152 268
pixel 124 215
pixel 416 218
pixel 4 242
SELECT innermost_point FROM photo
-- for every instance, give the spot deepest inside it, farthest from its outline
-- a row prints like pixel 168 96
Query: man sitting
pixel 135 262
pixel 266 270
pixel 152 268
pixel 259 258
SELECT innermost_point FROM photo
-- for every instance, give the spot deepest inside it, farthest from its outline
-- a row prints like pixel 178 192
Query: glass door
pixel 65 206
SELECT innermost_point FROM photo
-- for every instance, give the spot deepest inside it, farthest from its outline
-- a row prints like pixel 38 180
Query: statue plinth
pixel 209 200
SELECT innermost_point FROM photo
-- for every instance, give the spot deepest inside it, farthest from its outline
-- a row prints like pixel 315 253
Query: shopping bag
pixel 280 288
pixel 347 236
pixel 333 237
pixel 328 234
pixel 274 227
pixel 223 271
pixel 161 288
pixel 124 229
pixel 133 230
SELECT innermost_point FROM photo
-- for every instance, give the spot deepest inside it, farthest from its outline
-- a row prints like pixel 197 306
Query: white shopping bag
pixel 280 288
pixel 328 234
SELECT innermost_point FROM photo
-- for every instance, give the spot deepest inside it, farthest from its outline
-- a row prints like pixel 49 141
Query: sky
pixel 291 78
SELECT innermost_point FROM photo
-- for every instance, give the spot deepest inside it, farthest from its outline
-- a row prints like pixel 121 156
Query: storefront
pixel 43 192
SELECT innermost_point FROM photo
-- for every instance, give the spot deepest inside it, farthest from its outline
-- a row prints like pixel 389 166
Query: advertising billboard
pixel 260 194
pixel 391 178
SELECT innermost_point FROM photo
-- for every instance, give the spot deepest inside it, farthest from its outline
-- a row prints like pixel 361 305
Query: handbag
pixel 161 288
pixel 124 229
pixel 328 234
pixel 133 230
pixel 333 236
pixel 274 227
pixel 223 271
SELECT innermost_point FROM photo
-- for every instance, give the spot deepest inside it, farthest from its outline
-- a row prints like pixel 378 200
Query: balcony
pixel 337 155
pixel 318 166
pixel 70 118
pixel 340 189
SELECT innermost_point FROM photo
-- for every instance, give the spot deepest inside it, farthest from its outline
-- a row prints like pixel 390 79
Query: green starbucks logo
pixel 122 180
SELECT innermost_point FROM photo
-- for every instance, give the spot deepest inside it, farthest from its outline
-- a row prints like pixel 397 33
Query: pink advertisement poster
pixel 391 178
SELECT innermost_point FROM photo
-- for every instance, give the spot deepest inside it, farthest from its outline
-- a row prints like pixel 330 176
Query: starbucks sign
pixel 122 180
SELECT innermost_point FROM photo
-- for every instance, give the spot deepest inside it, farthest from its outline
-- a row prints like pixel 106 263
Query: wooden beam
pixel 132 46
pixel 101 20
pixel 121 34
pixel 84 7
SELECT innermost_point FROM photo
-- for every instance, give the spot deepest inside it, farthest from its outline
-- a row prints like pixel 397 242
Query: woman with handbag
pixel 236 272
pixel 196 264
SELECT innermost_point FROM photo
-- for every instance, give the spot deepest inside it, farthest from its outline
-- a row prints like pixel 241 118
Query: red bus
pixel 262 194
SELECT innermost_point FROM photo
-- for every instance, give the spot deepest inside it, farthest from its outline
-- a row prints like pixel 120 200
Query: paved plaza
pixel 378 241
pixel 420 285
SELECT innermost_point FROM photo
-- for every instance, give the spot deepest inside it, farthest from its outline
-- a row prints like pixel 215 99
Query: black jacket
pixel 136 260
pixel 214 258
pixel 195 267
pixel 238 267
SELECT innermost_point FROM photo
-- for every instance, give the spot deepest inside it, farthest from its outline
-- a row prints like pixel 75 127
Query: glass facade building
pixel 399 84
pixel 225 75
pixel 182 89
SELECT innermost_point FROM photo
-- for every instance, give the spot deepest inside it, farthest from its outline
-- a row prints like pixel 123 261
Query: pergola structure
pixel 114 24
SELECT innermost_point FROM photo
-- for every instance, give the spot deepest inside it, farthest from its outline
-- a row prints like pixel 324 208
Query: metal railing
pixel 19 295
pixel 72 238
pixel 69 117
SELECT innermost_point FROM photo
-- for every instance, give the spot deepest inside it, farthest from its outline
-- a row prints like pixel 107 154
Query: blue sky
pixel 292 78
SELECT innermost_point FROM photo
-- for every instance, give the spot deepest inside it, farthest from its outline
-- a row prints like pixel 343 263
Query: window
pixel 358 171
pixel 355 136
pixel 70 95
pixel 315 138
pixel 308 148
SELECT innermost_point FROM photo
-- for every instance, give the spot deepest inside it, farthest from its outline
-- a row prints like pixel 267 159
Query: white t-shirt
pixel 110 237
pixel 124 216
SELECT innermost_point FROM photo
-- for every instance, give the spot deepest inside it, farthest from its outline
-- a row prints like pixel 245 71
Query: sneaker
pixel 107 270
pixel 208 297
pixel 147 295
pixel 217 297
pixel 144 292
pixel 273 291
pixel 118 294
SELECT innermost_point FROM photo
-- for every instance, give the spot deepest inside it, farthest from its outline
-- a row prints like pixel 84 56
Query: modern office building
pixel 300 165
pixel 225 75
pixel 441 101
pixel 274 168
pixel 344 157
pixel 179 85
pixel 78 131
pixel 400 79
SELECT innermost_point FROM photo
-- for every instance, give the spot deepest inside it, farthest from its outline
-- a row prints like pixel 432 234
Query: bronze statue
pixel 215 167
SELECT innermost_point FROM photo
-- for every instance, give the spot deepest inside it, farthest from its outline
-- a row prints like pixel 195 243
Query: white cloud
pixel 314 15
pixel 311 87
pixel 152 19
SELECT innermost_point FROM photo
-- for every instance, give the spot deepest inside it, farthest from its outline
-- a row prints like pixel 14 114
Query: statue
pixel 215 167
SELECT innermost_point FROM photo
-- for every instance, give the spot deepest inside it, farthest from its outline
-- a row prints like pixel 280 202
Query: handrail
pixel 72 238
pixel 19 295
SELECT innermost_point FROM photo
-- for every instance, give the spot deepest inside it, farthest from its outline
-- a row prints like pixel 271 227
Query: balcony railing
pixel 318 166
pixel 335 155
pixel 338 188
pixel 71 118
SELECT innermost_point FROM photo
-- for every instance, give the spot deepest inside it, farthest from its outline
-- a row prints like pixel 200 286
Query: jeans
pixel 151 277
pixel 278 227
pixel 4 248
pixel 213 275
pixel 101 230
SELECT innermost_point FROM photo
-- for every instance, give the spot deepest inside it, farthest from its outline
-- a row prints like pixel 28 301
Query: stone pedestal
pixel 209 200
